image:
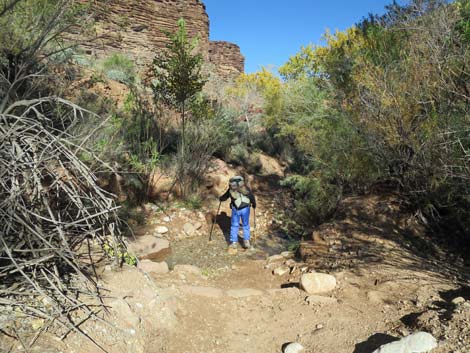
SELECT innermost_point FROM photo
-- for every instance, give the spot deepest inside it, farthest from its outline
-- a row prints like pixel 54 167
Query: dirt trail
pixel 386 288
pixel 237 305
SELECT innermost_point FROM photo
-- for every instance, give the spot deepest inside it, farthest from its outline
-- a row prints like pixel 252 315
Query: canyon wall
pixel 136 28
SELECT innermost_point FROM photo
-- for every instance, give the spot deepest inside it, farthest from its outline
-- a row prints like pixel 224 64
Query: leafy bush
pixel 315 199
pixel 372 106
pixel 238 154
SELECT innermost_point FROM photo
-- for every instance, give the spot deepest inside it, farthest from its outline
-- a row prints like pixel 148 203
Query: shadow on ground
pixel 374 342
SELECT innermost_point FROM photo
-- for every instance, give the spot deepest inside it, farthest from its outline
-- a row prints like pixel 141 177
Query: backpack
pixel 239 192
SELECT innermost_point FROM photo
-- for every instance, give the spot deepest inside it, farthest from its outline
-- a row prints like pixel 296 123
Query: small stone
pixel 281 271
pixel 458 300
pixel 320 300
pixel 314 283
pixel 161 230
pixel 419 342
pixel 166 219
pixel 293 348
pixel 319 326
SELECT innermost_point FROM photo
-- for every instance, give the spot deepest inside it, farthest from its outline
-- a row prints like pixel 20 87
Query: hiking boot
pixel 232 249
pixel 246 244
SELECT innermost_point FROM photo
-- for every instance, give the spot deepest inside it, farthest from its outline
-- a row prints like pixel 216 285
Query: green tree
pixel 177 74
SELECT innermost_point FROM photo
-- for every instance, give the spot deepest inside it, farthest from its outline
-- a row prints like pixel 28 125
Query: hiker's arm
pixel 225 196
pixel 252 199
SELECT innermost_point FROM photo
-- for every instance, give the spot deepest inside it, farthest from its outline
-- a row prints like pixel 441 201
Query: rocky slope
pixel 137 28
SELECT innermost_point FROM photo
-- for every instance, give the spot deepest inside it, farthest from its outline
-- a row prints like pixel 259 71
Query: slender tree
pixel 177 74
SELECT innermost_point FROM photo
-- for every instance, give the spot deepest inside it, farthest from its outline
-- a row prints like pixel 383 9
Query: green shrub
pixel 315 199
pixel 119 68
pixel 238 154
pixel 193 202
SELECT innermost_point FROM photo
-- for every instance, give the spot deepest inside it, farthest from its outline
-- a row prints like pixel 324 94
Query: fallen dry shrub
pixel 53 218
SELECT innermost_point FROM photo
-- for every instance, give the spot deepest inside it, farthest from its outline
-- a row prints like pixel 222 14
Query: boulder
pixel 153 267
pixel 148 247
pixel 419 342
pixel 123 313
pixel 314 283
pixel 270 166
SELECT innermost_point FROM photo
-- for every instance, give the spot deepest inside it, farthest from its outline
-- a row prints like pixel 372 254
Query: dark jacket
pixel 250 195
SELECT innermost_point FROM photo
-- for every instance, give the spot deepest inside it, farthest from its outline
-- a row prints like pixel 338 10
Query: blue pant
pixel 244 214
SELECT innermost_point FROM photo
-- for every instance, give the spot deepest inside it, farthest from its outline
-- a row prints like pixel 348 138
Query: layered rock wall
pixel 226 57
pixel 136 28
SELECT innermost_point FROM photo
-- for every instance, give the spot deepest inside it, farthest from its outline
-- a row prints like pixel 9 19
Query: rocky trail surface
pixel 364 280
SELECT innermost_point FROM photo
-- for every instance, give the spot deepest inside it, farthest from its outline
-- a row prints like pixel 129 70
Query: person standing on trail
pixel 241 199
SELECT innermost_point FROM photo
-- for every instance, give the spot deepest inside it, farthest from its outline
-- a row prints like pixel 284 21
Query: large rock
pixel 153 267
pixel 314 283
pixel 270 166
pixel 148 247
pixel 124 315
pixel 419 342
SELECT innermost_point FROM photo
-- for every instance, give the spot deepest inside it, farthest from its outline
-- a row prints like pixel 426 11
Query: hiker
pixel 241 199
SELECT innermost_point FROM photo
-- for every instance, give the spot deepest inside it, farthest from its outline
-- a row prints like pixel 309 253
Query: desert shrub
pixel 238 154
pixel 119 68
pixel 372 105
pixel 205 137
pixel 315 199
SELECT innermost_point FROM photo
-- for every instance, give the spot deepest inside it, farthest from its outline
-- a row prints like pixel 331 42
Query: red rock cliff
pixel 226 57
pixel 136 28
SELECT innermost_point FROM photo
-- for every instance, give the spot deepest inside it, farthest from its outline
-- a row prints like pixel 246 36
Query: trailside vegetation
pixel 56 221
pixel 384 102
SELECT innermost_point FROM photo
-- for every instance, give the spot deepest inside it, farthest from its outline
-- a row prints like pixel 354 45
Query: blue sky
pixel 270 31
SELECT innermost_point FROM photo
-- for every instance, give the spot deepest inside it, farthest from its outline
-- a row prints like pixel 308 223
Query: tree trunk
pixel 183 146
